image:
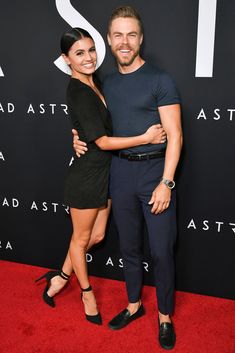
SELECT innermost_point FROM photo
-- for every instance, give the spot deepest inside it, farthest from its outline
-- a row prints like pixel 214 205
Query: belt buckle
pixel 133 157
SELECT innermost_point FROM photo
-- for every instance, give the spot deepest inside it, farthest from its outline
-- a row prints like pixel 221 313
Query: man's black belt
pixel 140 156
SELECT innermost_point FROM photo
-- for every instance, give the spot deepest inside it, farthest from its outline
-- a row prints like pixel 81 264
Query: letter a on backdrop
pixel 1 72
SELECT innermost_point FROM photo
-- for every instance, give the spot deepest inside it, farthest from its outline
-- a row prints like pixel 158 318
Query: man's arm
pixel 171 122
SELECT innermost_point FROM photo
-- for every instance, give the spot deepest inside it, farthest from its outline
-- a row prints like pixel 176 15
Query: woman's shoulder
pixel 78 88
pixel 80 94
pixel 75 83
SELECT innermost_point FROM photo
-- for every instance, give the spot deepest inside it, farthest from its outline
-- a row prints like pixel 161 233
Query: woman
pixel 86 187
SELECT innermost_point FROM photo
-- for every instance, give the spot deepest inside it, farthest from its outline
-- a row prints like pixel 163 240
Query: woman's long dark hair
pixel 70 37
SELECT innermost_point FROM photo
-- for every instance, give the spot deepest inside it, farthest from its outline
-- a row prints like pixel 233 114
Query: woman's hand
pixel 79 146
pixel 155 134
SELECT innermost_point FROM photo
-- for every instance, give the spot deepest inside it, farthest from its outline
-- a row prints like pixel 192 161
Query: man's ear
pixel 141 38
pixel 108 39
pixel 66 59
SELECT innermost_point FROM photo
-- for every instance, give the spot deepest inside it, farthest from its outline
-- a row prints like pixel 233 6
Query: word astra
pixel 205 225
pixel 217 116
pixel 109 262
pixel 31 109
pixel 37 206
pixel 120 263
pixel 5 246
pixel 44 206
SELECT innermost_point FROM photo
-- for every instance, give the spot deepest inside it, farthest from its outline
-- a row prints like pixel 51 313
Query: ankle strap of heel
pixel 64 275
pixel 88 289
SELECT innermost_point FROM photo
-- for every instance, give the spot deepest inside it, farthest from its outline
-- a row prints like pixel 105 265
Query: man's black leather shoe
pixel 124 318
pixel 166 335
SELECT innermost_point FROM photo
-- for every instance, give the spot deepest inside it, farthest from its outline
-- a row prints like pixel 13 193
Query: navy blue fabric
pixel 133 100
pixel 131 187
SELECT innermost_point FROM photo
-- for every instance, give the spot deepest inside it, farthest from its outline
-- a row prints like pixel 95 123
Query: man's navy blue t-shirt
pixel 133 100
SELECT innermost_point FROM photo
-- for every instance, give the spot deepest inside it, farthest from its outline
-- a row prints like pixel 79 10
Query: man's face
pixel 125 39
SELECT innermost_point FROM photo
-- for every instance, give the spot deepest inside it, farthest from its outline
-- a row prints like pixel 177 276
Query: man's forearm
pixel 172 157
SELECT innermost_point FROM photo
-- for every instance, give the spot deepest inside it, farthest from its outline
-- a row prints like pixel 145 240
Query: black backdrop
pixel 35 137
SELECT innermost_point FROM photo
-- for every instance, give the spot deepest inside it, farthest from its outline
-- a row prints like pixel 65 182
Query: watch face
pixel 170 184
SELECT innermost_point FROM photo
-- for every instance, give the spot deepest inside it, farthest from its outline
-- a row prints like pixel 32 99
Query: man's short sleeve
pixel 86 114
pixel 166 92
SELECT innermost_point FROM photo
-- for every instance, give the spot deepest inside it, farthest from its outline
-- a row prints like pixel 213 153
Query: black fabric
pixel 86 185
pixel 89 117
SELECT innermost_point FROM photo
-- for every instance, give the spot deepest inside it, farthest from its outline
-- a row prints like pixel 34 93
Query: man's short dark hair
pixel 126 12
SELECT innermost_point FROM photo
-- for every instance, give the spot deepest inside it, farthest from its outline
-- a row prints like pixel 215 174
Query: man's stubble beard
pixel 125 63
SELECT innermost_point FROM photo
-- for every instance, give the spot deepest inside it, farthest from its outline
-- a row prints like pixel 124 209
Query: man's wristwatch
pixel 169 183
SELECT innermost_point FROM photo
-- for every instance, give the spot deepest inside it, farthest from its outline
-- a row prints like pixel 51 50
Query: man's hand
pixel 79 146
pixel 160 199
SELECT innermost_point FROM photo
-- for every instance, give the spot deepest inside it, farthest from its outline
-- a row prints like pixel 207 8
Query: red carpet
pixel 27 325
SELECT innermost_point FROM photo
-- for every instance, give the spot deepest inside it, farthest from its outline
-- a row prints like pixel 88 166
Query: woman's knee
pixel 98 237
pixel 81 239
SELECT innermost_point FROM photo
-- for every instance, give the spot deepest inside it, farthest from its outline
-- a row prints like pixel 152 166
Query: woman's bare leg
pixel 98 230
pixel 83 221
pixel 97 235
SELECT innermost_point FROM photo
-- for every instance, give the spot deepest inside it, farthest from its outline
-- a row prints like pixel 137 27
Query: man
pixel 142 178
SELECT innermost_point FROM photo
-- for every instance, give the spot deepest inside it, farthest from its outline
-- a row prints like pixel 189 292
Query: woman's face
pixel 82 57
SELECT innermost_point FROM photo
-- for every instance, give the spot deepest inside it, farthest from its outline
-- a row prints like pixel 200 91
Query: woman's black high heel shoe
pixel 48 276
pixel 94 319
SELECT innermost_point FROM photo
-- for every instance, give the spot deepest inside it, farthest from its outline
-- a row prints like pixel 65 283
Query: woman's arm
pixel 153 135
pixel 80 147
